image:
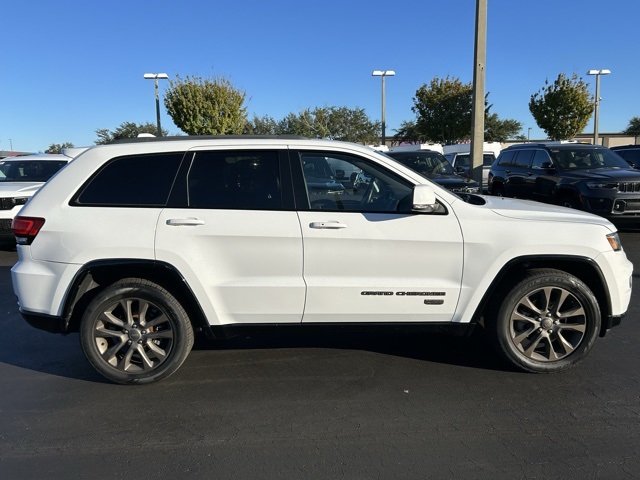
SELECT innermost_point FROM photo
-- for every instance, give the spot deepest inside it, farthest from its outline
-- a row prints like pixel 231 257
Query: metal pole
pixel 595 118
pixel 158 108
pixel 384 138
pixel 477 113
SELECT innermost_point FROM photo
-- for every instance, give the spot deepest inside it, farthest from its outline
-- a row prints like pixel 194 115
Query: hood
pixel 603 173
pixel 17 189
pixel 530 210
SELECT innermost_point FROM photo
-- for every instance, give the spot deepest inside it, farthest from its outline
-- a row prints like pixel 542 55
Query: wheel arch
pixel 583 268
pixel 94 276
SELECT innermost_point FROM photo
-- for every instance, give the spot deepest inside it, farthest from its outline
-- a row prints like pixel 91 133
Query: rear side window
pixel 132 181
pixel 244 180
pixel 523 158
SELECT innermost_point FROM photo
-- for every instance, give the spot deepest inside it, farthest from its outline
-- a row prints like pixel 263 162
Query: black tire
pixel 570 201
pixel 497 190
pixel 548 322
pixel 135 332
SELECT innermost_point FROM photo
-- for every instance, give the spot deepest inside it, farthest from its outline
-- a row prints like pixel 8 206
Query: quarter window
pixel 137 180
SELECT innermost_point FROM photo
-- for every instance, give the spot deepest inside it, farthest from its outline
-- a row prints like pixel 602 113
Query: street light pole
pixel 383 74
pixel 155 77
pixel 597 73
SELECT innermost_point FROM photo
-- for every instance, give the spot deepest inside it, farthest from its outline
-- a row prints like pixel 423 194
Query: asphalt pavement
pixel 329 406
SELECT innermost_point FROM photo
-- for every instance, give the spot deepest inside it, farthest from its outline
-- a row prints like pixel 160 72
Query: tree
pixel 126 130
pixel 264 125
pixel 562 109
pixel 203 106
pixel 57 148
pixel 443 110
pixel 633 129
pixel 408 133
pixel 335 123
pixel 496 130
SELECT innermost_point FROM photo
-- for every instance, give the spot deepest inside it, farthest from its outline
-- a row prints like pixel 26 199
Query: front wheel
pixel 548 322
pixel 135 331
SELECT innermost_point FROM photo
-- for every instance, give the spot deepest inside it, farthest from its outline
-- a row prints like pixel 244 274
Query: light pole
pixel 155 77
pixel 597 73
pixel 528 134
pixel 383 74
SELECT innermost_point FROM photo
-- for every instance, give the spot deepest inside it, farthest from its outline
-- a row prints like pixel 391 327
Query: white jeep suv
pixel 138 244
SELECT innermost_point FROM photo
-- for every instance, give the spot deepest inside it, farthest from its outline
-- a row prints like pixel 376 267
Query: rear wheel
pixel 548 322
pixel 497 190
pixel 135 331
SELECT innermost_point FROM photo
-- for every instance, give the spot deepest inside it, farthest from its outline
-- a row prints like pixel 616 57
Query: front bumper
pixel 47 323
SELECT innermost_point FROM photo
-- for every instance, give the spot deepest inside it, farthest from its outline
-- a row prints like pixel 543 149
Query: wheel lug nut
pixel 135 326
pixel 128 342
pixel 140 342
pixel 549 331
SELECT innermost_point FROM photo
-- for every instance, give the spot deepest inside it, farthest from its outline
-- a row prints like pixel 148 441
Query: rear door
pixel 233 234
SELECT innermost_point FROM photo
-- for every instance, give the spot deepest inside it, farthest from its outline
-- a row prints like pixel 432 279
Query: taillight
pixel 26 228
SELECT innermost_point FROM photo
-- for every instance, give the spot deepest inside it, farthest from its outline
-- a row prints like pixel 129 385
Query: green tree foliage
pixel 562 109
pixel 408 133
pixel 265 125
pixel 126 130
pixel 335 123
pixel 633 129
pixel 443 110
pixel 57 147
pixel 496 130
pixel 206 106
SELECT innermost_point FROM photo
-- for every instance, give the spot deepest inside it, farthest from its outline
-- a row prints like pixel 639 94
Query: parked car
pixel 434 166
pixel 20 178
pixel 459 156
pixel 581 176
pixel 631 153
pixel 139 244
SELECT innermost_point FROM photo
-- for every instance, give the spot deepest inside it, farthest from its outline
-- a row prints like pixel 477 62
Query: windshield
pixel 584 158
pixel 425 163
pixel 29 170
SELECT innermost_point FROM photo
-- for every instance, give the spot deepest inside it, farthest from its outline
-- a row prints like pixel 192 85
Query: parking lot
pixel 349 406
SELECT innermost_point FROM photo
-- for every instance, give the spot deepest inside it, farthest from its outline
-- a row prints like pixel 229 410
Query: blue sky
pixel 71 67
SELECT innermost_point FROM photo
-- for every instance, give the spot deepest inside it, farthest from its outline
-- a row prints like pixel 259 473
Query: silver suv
pixel 137 245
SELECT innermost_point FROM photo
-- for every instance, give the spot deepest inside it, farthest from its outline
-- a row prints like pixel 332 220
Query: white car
pixel 20 178
pixel 138 244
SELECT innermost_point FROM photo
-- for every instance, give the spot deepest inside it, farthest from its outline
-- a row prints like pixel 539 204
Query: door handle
pixel 178 222
pixel 328 225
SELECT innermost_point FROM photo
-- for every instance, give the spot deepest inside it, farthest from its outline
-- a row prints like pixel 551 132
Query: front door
pixel 368 258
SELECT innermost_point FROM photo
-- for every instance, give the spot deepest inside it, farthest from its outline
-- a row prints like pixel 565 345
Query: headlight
pixel 614 241
pixel 600 185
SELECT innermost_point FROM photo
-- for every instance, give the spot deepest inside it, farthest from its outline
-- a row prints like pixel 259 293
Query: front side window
pixel 374 189
pixel 245 180
pixel 132 181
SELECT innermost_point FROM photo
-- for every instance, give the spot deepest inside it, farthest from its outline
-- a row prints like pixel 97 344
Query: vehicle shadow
pixel 473 351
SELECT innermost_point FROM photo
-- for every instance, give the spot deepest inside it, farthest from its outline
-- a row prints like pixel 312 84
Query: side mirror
pixel 424 199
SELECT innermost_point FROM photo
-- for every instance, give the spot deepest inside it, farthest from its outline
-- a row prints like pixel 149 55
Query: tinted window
pixel 585 157
pixel 247 180
pixel 630 156
pixel 505 158
pixel 541 160
pixel 488 159
pixel 523 158
pixel 424 162
pixel 137 180
pixel 29 170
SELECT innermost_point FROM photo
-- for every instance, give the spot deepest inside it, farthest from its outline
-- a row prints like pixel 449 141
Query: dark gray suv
pixel 582 176
pixel 631 153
